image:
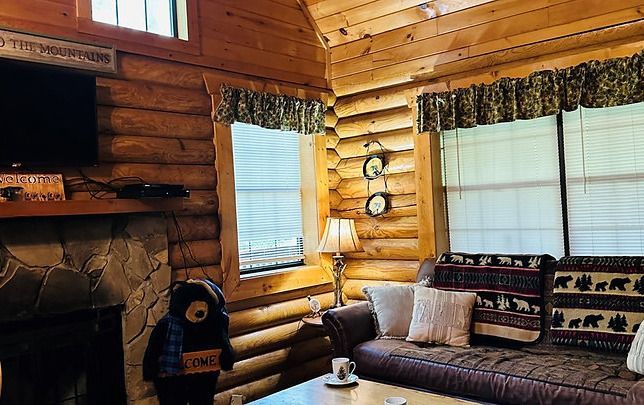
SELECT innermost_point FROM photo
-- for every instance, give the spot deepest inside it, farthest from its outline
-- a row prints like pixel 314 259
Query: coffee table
pixel 364 392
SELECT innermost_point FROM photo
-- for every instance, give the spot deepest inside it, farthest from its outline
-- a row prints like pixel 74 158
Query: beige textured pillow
pixel 391 306
pixel 441 316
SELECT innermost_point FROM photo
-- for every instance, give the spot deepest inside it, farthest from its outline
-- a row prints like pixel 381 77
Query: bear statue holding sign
pixel 190 345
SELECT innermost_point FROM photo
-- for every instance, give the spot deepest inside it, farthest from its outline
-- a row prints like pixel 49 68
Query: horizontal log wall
pixel 376 50
pixel 154 123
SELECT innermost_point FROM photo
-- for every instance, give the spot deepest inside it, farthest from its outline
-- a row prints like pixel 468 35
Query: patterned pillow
pixel 598 301
pixel 509 302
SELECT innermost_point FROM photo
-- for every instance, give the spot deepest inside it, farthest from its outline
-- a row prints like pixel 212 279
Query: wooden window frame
pixel 86 25
pixel 315 202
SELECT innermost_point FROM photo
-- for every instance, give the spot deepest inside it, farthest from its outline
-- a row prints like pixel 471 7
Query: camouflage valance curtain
pixel 592 84
pixel 271 111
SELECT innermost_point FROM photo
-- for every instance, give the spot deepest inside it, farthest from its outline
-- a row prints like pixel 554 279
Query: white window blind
pixel 269 200
pixel 604 150
pixel 502 188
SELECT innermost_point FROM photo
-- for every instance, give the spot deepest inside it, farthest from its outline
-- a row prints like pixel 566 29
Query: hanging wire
pixel 583 148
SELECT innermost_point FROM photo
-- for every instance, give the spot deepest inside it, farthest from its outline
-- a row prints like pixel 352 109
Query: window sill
pixel 280 280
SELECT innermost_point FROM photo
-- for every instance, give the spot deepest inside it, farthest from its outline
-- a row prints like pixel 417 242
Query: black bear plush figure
pixel 189 345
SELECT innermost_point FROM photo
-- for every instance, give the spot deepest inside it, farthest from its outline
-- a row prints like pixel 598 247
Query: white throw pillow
pixel 391 307
pixel 635 359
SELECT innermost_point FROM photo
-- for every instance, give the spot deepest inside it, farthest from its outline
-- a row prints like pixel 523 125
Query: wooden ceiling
pixel 379 43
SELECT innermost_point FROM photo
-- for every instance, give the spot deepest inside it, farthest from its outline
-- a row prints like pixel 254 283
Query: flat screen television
pixel 47 116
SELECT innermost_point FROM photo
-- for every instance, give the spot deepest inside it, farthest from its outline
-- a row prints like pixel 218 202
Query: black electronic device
pixel 136 191
pixel 48 116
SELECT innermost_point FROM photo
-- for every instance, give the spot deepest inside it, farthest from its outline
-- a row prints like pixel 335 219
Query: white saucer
pixel 331 379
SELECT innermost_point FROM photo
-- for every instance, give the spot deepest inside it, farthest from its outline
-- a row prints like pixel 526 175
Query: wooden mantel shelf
pixel 20 209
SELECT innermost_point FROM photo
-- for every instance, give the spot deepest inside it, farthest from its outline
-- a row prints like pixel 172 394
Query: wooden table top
pixel 364 392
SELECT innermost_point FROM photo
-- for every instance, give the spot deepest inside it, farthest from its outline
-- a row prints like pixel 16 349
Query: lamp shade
pixel 340 236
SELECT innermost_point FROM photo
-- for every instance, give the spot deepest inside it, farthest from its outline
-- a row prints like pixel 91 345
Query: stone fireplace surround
pixel 52 266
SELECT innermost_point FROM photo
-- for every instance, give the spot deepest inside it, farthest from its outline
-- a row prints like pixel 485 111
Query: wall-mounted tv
pixel 47 116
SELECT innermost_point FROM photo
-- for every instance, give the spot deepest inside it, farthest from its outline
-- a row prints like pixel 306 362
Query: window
pixel 605 180
pixel 570 184
pixel 162 17
pixel 269 197
pixel 502 187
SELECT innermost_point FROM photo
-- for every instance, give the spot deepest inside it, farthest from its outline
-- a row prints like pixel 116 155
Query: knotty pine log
pixel 380 121
pixel 201 202
pixel 258 318
pixel 377 100
pixel 191 176
pixel 331 100
pixel 276 382
pixel 265 300
pixel 133 121
pixel 332 158
pixel 273 338
pixel 334 179
pixel 266 8
pixel 334 199
pixel 205 253
pixel 143 149
pixel 330 119
pixel 332 138
pixel 194 227
pixel 150 96
pixel 401 206
pixel 387 249
pixel 381 227
pixel 382 270
pixel 212 273
pixel 400 183
pixel 269 363
pixel 353 287
pixel 142 68
pixel 398 162
pixel 392 141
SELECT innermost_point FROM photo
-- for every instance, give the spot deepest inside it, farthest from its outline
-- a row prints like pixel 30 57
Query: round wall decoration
pixel 374 166
pixel 377 204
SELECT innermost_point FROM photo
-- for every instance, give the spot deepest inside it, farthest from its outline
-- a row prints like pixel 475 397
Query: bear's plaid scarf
pixel 509 304
pixel 170 359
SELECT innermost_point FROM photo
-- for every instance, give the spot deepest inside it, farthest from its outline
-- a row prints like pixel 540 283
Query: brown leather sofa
pixel 537 374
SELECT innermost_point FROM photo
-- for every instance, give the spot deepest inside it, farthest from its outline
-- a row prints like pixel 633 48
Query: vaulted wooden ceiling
pixel 377 43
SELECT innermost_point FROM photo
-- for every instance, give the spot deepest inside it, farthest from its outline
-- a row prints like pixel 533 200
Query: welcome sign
pixel 34 48
pixel 201 362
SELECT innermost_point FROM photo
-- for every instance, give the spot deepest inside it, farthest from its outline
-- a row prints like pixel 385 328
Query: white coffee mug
pixel 395 401
pixel 343 368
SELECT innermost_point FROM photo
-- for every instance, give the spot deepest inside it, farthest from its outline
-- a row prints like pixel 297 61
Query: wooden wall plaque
pixel 36 186
pixel 53 51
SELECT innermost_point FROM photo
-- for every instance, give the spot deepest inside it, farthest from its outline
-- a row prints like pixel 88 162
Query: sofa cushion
pixel 391 306
pixel 598 301
pixel 510 302
pixel 508 376
pixel 441 316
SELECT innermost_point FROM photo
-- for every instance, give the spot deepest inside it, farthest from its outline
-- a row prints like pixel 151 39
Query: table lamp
pixel 339 237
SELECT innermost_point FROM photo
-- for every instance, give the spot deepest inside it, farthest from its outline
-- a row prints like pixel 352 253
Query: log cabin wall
pixel 383 52
pixel 154 122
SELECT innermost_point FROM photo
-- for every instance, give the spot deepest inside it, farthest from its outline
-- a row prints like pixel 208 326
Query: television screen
pixel 47 116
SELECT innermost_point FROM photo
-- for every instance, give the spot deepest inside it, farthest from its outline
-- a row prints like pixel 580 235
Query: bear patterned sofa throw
pixel 598 302
pixel 509 302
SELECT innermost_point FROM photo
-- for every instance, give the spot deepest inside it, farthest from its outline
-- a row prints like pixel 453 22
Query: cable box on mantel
pixel 138 191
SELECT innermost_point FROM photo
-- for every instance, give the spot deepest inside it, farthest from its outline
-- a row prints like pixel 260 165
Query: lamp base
pixel 338 270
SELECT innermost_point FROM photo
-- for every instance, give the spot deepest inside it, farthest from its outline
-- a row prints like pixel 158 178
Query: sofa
pixel 540 373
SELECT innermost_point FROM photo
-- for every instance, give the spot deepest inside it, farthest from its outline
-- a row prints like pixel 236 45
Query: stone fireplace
pixel 52 267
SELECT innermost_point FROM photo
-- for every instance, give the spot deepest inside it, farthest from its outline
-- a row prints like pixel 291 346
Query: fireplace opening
pixel 71 359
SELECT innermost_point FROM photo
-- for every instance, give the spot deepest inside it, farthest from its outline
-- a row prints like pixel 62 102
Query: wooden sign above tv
pixel 42 49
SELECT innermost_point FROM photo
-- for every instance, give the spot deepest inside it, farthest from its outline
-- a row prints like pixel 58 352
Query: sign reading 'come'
pixel 34 48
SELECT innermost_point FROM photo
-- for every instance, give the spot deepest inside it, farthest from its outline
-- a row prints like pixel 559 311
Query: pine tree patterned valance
pixel 592 84
pixel 271 111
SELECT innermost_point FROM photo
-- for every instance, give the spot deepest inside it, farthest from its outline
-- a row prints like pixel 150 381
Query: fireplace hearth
pixel 71 359
pixel 76 289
